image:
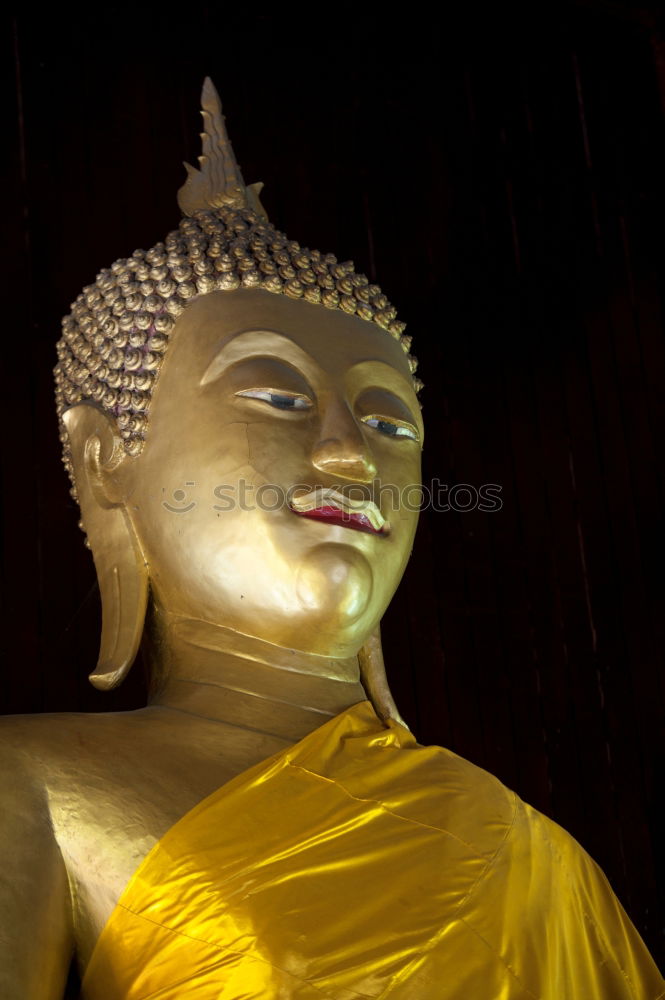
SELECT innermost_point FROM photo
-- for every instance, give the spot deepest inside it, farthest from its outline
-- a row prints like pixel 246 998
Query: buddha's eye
pixel 282 400
pixel 392 428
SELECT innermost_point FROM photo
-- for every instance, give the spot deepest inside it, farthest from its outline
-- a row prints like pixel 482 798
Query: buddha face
pixel 269 496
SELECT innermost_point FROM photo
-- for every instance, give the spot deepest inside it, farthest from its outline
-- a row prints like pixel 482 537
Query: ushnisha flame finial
pixel 219 181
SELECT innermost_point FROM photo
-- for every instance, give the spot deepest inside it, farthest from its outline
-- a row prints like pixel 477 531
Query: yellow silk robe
pixel 358 864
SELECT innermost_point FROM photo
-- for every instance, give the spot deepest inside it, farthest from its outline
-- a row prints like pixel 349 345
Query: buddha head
pixel 240 423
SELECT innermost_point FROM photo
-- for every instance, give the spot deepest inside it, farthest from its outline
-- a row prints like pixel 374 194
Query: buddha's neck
pixel 215 673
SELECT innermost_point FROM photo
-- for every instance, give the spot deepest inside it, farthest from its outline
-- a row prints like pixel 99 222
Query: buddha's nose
pixel 342 449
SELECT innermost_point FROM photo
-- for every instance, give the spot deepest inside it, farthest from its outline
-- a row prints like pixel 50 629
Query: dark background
pixel 502 178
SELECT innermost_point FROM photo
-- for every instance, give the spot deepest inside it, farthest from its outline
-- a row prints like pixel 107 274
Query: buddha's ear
pixel 374 680
pixel 99 461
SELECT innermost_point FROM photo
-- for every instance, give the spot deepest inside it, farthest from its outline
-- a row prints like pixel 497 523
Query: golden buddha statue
pixel 267 827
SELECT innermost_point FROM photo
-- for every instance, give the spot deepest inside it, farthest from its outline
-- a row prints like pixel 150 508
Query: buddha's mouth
pixel 329 505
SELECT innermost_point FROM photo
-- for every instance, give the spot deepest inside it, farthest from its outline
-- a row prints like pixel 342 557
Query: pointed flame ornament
pixel 218 182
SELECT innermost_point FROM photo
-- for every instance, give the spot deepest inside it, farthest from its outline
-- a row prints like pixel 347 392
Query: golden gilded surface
pixel 247 513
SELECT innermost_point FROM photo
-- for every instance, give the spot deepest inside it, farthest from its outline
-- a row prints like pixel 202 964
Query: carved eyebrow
pixel 374 374
pixel 258 343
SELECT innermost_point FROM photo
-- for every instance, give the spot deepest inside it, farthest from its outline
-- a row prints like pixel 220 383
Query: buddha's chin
pixel 333 587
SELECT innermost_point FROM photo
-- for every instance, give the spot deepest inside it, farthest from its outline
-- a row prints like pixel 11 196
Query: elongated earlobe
pixel 374 680
pixel 97 456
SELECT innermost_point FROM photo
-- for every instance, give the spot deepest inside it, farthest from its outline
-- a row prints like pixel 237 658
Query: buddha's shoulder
pixel 475 806
pixel 514 850
pixel 32 732
pixel 35 747
pixel 447 792
pixel 530 892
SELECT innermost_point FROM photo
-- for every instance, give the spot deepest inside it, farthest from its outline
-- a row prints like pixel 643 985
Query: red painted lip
pixel 358 522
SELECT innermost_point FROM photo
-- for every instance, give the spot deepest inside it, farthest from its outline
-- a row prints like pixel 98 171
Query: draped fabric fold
pixel 358 864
